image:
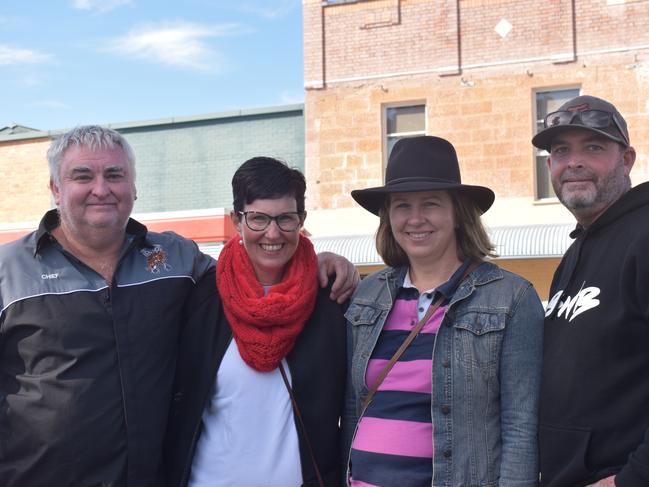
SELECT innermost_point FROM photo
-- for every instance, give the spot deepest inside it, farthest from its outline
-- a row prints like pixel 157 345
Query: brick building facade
pixel 184 169
pixel 480 73
pixel 24 176
pixel 479 69
pixel 182 163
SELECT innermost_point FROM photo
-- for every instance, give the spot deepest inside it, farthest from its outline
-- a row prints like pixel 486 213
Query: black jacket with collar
pixel 595 391
pixel 317 365
pixel 86 368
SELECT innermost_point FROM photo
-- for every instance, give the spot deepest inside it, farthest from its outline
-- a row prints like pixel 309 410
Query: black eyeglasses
pixel 594 119
pixel 258 221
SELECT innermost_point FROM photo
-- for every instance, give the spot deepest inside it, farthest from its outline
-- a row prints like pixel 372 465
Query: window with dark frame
pixel 547 102
pixel 403 121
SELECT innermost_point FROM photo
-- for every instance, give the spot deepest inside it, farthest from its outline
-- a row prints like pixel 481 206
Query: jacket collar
pixel 394 275
pixel 51 220
pixel 485 273
pixel 481 275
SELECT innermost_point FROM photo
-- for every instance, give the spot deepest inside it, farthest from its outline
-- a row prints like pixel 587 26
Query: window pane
pixel 543 183
pixel 547 102
pixel 550 101
pixel 393 140
pixel 400 122
pixel 406 119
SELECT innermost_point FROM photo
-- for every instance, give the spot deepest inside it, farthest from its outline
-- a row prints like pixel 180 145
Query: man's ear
pixel 628 158
pixel 56 193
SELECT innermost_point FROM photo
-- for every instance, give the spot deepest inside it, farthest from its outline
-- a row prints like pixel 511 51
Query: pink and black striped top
pixel 393 444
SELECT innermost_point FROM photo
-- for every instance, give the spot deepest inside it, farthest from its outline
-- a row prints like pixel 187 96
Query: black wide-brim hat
pixel 423 163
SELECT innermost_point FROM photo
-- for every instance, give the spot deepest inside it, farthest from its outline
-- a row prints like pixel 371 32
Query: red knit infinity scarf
pixel 265 327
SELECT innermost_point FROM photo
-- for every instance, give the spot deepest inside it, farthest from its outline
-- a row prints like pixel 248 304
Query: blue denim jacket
pixel 486 375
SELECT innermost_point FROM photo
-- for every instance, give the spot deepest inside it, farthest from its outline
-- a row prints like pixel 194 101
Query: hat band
pixel 420 179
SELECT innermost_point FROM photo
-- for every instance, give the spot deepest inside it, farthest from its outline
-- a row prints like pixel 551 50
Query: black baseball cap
pixel 584 112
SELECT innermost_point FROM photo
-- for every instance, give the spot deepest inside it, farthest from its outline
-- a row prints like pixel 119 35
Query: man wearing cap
pixel 594 420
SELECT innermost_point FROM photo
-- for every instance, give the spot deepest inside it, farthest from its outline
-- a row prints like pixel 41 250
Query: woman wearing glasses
pixel 259 396
pixel 458 406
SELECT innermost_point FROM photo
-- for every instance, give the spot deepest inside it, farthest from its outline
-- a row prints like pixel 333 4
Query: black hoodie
pixel 595 391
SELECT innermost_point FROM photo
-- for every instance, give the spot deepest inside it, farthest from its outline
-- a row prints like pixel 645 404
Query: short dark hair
pixel 472 238
pixel 266 178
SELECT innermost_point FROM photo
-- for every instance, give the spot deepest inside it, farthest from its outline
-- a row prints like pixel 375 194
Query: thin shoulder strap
pixel 296 409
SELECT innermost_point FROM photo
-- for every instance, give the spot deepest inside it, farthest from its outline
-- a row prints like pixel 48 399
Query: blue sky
pixel 70 62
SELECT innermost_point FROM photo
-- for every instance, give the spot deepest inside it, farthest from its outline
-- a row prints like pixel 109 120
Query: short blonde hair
pixel 471 236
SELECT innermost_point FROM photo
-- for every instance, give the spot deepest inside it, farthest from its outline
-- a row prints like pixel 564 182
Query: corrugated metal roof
pixel 513 242
pixel 528 241
pixel 359 249
pixel 211 249
pixel 244 112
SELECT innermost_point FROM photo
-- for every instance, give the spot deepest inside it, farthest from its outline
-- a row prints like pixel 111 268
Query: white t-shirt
pixel 249 437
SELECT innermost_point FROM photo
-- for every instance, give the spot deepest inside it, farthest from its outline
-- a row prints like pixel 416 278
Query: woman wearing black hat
pixel 440 307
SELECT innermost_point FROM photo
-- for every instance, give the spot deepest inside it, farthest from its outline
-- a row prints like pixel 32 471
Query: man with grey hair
pixel 91 308
pixel 594 424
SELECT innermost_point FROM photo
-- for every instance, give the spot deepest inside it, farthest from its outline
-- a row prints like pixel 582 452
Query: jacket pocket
pixel 479 337
pixel 364 323
pixel 563 455
pixel 359 313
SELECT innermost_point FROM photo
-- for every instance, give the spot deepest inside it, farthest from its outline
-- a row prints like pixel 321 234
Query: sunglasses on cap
pixel 594 119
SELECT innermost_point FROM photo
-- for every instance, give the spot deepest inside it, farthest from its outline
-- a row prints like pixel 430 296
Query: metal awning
pixel 513 242
pixel 532 241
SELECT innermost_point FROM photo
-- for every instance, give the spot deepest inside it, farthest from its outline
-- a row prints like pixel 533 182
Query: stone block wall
pixel 355 67
pixel 181 164
pixel 24 180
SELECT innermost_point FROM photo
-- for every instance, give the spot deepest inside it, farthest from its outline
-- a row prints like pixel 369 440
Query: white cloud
pixel 291 97
pixel 17 55
pixel 270 10
pixel 30 81
pixel 179 44
pixel 100 6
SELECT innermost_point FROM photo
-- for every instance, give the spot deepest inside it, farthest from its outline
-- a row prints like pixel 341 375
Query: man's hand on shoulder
pixel 607 482
pixel 346 275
